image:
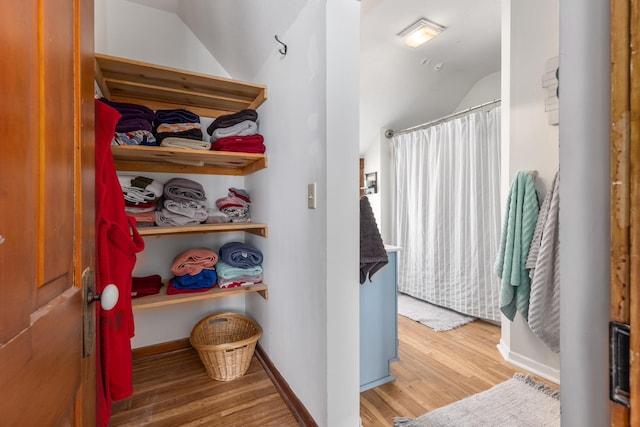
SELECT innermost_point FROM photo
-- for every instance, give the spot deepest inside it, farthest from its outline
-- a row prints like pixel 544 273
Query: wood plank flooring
pixel 435 369
pixel 173 389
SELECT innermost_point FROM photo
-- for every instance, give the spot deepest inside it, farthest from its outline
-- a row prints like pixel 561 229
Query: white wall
pixel 530 37
pixel 484 90
pixel 311 318
pixel 343 255
pixel 584 211
pixel 294 318
pixel 133 31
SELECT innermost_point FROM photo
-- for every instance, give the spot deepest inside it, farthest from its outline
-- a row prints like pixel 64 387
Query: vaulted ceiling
pixel 400 86
pixel 403 86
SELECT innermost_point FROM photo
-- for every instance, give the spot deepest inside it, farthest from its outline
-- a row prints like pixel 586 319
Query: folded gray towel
pixel 373 255
pixel 183 190
pixel 244 128
pixel 165 217
pixel 190 209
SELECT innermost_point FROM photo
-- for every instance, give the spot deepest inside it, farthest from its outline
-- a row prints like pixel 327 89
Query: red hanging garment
pixel 117 242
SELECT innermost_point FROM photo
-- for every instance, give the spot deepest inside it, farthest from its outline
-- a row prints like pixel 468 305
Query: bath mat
pixel 518 402
pixel 437 318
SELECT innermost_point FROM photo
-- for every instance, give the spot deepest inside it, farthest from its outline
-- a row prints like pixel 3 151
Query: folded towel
pixel 133 116
pixel 517 232
pixel 173 290
pixel 238 145
pixel 231 202
pixel 373 255
pixel 177 127
pixel 191 209
pixel 238 254
pixel 143 219
pixel 244 128
pixel 142 207
pixel 130 110
pixel 239 281
pixel 191 144
pixel 133 124
pixel 227 271
pixel 240 219
pixel 195 134
pixel 183 190
pixel 200 282
pixel 168 218
pixel 193 261
pixel 206 278
pixel 240 194
pixel 144 286
pixel 140 189
pixel 175 116
pixel 232 119
pixel 136 137
pixel 215 216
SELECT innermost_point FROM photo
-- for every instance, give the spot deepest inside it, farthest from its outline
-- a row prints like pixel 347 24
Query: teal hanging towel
pixel 517 232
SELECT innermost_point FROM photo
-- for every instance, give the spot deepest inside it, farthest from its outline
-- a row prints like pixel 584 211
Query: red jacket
pixel 117 242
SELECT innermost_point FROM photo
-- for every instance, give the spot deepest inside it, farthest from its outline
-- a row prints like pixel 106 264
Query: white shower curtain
pixel 447 213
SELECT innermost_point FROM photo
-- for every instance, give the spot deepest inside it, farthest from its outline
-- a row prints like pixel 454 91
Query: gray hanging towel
pixel 543 263
pixel 373 256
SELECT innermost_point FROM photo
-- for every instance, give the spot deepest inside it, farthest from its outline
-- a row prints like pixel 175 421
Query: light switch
pixel 311 196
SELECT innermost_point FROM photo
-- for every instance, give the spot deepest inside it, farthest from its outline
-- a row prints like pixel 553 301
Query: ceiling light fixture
pixel 420 32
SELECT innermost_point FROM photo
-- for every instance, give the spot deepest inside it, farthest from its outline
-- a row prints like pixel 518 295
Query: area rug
pixel 437 318
pixel 518 402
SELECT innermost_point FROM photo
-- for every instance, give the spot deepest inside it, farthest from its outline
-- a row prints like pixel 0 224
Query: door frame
pixel 625 193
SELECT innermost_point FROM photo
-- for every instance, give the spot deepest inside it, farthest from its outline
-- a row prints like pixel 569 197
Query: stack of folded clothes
pixel 215 216
pixel 145 286
pixel 239 265
pixel 237 132
pixel 179 129
pixel 235 205
pixel 184 203
pixel 135 124
pixel 142 196
pixel 194 271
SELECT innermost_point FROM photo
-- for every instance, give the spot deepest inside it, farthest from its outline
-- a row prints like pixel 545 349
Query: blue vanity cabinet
pixel 379 326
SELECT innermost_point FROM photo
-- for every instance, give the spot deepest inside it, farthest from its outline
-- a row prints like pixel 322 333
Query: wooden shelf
pixel 157 87
pixel 257 229
pixel 162 299
pixel 142 158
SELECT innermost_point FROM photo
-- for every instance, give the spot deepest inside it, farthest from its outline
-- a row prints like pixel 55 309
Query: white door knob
pixel 109 297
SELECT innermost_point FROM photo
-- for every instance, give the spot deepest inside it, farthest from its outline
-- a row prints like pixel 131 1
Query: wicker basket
pixel 225 343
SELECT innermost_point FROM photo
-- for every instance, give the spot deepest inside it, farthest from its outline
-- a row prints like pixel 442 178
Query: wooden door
pixel 46 214
pixel 625 197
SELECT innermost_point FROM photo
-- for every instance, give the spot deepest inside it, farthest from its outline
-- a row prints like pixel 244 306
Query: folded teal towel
pixel 517 232
pixel 228 272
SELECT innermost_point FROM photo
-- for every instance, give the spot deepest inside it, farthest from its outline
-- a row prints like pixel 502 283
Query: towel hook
pixel 283 51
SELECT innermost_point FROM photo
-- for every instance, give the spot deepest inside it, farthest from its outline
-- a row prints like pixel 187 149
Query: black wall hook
pixel 283 51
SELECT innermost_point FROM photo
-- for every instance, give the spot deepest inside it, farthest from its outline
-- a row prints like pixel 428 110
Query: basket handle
pixel 236 348
pixel 218 320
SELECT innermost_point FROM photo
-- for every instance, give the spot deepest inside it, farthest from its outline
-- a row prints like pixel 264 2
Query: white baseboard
pixel 530 365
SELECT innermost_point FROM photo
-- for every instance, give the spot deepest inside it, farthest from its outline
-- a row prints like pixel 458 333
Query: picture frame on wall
pixel 371 183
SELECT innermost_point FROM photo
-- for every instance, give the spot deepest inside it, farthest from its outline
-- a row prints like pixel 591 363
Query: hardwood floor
pixel 435 369
pixel 173 389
